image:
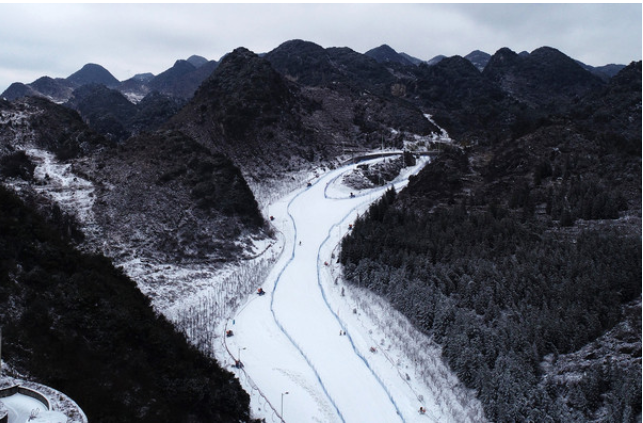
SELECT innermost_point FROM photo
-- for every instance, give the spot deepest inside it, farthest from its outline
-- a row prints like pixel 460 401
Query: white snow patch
pixel 443 136
pixel 57 181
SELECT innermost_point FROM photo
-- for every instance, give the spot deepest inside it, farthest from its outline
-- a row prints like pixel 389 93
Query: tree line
pixel 500 291
pixel 75 322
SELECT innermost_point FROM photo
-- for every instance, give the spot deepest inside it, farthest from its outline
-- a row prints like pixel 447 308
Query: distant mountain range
pixel 184 77
pixel 517 247
pixel 119 109
pixel 181 80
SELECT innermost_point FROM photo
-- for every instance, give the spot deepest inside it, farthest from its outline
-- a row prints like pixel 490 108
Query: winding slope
pixel 295 339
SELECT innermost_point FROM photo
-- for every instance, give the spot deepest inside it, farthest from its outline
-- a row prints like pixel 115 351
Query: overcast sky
pixel 58 39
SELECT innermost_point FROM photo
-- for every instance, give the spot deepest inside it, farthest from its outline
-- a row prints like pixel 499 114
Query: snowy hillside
pixel 342 354
pixel 339 353
pixel 339 356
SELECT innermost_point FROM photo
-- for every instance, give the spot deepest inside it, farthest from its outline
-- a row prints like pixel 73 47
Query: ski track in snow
pixel 297 366
pixel 291 340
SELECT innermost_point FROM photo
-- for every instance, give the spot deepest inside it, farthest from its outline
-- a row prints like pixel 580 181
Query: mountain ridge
pixel 532 155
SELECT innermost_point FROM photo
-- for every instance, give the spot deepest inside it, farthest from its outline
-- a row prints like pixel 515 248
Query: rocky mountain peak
pixel 558 77
pixel 478 58
pixel 459 63
pixel 385 54
pixel 435 60
pixel 242 92
pixel 502 58
pixel 143 77
pixel 93 74
pixel 17 90
pixel 197 61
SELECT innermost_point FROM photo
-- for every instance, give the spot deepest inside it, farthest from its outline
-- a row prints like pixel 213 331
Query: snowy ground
pixel 314 350
pixel 381 370
pixel 74 194
pixel 23 408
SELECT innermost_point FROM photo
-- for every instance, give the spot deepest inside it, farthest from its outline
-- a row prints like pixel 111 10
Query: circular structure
pixel 23 408
pixel 36 403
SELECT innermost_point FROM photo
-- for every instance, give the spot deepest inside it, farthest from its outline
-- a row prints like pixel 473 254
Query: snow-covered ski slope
pixel 313 352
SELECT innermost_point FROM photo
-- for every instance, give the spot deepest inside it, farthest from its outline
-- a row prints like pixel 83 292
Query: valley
pixel 308 336
pixel 456 240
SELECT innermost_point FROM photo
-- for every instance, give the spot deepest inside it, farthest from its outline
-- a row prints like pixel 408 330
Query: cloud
pixel 58 39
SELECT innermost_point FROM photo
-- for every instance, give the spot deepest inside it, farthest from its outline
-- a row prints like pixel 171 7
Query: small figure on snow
pixel 422 410
pixel 260 291
pixel 352 195
pixel 272 218
pixel 229 333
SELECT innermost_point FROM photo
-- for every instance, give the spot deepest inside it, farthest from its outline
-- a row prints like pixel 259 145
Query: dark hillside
pixel 108 112
pixel 613 110
pixel 249 112
pixel 18 90
pixel 469 106
pixel 76 323
pixel 516 252
pixel 154 110
pixel 267 123
pixel 105 110
pixel 59 129
pixel 362 71
pixel 182 79
pixel 558 78
pixel 167 196
pixel 51 88
pixel 310 64
pixel 304 62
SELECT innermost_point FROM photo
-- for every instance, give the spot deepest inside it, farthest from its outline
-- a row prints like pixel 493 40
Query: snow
pixel 444 136
pixel 23 408
pixel 296 365
pixel 313 350
pixel 71 192
pixel 58 182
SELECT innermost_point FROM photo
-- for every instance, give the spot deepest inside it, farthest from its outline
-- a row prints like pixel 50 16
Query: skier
pixel 260 291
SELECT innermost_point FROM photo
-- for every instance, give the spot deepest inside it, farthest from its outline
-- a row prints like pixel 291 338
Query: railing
pixel 17 389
